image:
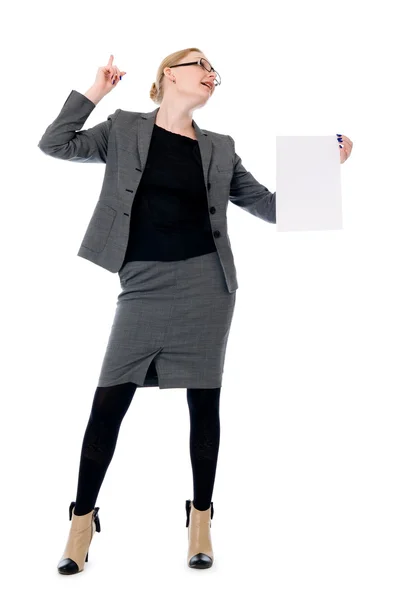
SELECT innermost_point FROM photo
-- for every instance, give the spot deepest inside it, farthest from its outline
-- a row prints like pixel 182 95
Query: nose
pixel 211 78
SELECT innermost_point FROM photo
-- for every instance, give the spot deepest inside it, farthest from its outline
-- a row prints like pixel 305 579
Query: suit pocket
pixel 99 228
pixel 224 167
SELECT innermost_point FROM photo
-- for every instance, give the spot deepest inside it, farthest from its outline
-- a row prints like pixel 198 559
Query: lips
pixel 207 85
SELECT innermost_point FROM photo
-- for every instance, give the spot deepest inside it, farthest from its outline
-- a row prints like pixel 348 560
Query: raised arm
pixel 63 138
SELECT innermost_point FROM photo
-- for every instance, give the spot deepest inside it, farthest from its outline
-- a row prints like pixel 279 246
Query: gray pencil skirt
pixel 171 325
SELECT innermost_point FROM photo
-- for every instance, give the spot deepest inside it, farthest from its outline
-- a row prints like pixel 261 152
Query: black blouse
pixel 170 218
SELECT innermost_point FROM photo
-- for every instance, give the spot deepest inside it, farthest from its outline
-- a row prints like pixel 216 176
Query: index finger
pixel 110 59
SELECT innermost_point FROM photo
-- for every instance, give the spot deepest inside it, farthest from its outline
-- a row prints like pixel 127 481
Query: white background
pixel 307 494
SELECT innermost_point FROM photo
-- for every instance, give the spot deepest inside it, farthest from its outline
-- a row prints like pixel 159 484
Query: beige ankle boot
pixel 200 551
pixel 81 533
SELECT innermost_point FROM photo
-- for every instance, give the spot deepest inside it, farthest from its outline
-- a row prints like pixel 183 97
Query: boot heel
pixel 76 552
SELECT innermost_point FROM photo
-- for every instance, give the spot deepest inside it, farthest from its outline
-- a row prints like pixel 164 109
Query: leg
pixel 108 410
pixel 204 407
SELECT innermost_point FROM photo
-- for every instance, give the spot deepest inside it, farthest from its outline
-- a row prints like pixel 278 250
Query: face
pixel 189 79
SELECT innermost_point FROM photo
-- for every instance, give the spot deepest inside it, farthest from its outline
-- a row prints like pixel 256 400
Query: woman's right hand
pixel 106 75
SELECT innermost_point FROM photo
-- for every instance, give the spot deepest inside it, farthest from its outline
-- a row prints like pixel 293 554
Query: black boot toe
pixel 200 561
pixel 67 566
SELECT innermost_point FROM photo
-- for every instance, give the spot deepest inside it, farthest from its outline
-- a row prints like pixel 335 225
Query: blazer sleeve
pixel 247 193
pixel 63 138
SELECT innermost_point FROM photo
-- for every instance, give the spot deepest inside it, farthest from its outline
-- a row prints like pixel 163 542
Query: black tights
pixel 109 407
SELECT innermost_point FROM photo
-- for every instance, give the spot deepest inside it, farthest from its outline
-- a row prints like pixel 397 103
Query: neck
pixel 174 118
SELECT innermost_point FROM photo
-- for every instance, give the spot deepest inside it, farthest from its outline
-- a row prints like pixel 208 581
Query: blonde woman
pixel 161 223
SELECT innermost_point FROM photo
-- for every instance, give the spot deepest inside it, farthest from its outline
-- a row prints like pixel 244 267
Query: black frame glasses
pixel 200 62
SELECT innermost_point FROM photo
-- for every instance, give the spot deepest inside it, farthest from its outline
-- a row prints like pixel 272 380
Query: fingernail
pixel 120 77
pixel 340 145
pixel 112 83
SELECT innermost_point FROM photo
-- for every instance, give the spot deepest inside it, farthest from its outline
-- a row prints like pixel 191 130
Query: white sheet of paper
pixel 308 183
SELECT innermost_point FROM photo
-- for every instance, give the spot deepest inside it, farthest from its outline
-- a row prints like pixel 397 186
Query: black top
pixel 170 218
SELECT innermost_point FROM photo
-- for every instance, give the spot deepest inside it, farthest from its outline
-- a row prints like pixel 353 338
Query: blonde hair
pixel 157 89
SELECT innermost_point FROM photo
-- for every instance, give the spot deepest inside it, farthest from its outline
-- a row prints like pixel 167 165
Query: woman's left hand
pixel 346 149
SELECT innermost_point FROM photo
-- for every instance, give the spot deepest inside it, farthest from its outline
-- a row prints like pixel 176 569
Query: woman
pixel 174 313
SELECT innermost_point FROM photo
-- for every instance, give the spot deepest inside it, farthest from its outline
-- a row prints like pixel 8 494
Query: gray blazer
pixel 122 143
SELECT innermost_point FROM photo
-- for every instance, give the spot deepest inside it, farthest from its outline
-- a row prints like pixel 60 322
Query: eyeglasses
pixel 206 65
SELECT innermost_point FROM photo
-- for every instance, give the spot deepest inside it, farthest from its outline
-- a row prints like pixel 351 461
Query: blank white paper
pixel 308 183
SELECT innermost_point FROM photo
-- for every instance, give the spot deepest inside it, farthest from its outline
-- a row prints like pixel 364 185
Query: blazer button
pixel 216 233
pixel 212 210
